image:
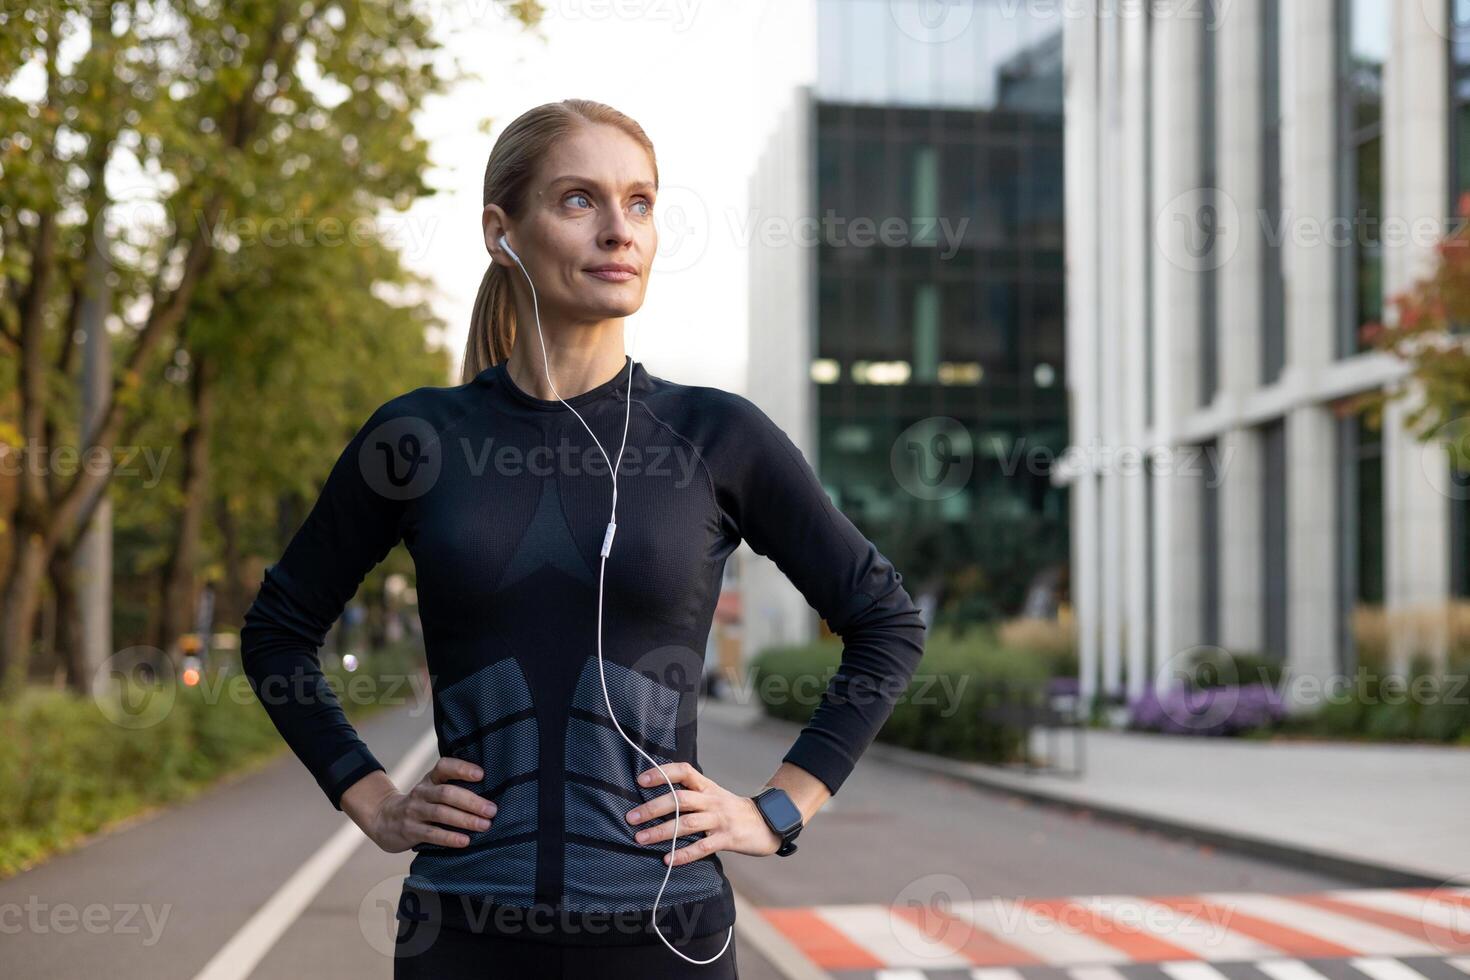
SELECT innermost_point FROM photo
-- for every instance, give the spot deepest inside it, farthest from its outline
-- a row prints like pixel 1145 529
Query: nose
pixel 618 231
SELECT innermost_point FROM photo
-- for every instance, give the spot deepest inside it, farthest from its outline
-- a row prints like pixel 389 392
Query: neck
pixel 579 360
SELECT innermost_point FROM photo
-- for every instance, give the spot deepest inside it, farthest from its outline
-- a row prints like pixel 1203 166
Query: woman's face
pixel 589 210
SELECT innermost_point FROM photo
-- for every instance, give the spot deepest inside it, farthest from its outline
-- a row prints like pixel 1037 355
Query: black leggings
pixel 455 954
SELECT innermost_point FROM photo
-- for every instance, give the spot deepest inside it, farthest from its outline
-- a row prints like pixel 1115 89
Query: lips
pixel 617 272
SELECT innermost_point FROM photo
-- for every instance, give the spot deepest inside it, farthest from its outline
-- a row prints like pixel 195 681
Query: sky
pixel 700 76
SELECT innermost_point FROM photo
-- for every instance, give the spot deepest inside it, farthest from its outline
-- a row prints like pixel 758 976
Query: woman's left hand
pixel 730 822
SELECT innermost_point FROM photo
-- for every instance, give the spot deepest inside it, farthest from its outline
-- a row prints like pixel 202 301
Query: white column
pixel 1416 191
pixel 1240 106
pixel 1079 40
pixel 1309 138
pixel 1112 273
pixel 1134 232
pixel 1176 167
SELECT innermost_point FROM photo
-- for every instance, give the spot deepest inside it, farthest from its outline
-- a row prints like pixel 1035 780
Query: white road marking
pixel 772 945
pixel 238 957
pixel 1191 970
pixel 1386 968
pixel 1287 970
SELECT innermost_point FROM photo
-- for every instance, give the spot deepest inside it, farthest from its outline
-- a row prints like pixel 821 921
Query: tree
pixel 1430 334
pixel 217 110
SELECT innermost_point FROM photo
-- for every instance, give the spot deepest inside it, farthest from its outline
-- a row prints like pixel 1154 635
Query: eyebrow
pixel 642 185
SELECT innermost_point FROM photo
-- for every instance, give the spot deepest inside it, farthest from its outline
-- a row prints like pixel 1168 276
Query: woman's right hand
pixel 402 820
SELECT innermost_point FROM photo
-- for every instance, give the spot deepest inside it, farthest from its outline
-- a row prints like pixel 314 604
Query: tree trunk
pixel 70 654
pixel 22 599
pixel 179 586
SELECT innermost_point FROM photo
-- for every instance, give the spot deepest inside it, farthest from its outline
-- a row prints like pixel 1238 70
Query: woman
pixel 566 602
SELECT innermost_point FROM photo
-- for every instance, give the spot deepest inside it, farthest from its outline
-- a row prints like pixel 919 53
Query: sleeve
pixel 782 511
pixel 351 528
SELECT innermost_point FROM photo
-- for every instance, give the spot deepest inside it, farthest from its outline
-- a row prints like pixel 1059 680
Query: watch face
pixel 783 813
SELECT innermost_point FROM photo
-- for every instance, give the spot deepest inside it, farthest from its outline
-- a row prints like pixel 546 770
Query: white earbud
pixel 607 540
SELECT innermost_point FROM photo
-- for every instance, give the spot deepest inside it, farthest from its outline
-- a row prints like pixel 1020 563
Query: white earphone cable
pixel 612 527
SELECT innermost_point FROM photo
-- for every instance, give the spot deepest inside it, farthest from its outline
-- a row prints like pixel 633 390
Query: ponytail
pixel 492 325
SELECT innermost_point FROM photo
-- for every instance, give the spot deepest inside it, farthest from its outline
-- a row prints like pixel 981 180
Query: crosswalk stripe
pixel 1411 926
pixel 996 973
pixel 1386 968
pixel 1287 970
pixel 1358 936
pixel 1449 896
pixel 1197 932
pixel 1190 970
pixel 820 941
pixel 1049 941
pixel 978 946
pixel 1281 937
pixel 892 939
pixel 1357 933
pixel 1137 944
pixel 1413 905
pixel 1094 973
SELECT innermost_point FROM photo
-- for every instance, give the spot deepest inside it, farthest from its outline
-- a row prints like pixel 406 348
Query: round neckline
pixel 612 386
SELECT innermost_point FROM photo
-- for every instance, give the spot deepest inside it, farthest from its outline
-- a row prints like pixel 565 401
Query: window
pixel 1459 484
pixel 1459 43
pixel 1273 283
pixel 1363 31
pixel 1273 531
pixel 1209 515
pixel 1359 528
pixel 1209 280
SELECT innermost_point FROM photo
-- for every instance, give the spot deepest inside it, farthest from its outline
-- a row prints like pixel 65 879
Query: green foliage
pixel 69 769
pixel 947 708
pixel 1421 704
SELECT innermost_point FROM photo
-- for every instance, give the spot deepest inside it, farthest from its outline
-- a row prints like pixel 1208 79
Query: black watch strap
pixel 782 816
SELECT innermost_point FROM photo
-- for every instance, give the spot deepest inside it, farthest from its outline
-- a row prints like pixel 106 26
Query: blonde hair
pixel 514 160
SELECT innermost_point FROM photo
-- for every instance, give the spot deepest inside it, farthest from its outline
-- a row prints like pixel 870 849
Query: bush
pixel 949 705
pixel 69 769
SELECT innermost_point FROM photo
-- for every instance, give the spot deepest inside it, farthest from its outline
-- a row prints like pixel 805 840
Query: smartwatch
pixel 781 815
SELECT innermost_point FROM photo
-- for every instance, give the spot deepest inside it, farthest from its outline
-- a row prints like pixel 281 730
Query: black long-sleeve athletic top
pixel 503 499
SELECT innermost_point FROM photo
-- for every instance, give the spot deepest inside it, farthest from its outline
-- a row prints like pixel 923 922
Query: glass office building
pixel 931 152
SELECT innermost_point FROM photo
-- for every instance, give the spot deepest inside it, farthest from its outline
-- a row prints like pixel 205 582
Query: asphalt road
pixel 182 890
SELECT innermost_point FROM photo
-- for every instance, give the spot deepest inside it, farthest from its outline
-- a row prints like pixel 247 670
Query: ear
pixel 493 223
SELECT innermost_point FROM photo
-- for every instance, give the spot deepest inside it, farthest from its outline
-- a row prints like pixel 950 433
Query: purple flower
pixel 1227 710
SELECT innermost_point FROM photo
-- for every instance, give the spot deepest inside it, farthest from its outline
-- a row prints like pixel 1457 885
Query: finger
pixel 429 834
pixel 678 772
pixel 458 796
pixel 691 823
pixel 448 768
pixel 441 813
pixel 693 852
pixel 689 800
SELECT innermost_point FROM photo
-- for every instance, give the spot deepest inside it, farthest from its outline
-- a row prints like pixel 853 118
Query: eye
pixel 647 206
pixel 575 194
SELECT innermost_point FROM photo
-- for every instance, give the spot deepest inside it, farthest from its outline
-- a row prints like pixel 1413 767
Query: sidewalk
pixel 1383 814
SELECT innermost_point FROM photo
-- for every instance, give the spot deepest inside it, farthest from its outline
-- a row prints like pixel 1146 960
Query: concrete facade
pixel 1162 562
